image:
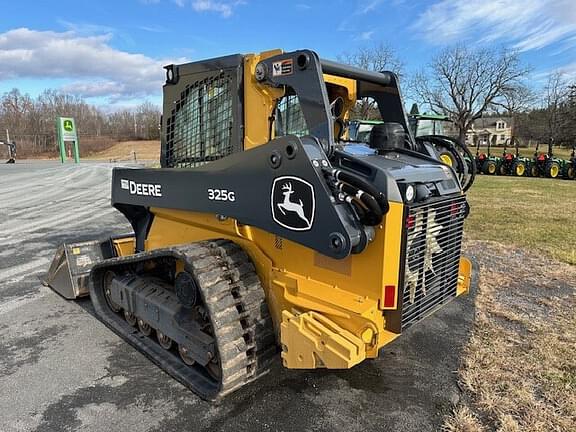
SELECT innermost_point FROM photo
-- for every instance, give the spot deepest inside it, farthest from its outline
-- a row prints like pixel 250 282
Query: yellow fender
pixel 464 276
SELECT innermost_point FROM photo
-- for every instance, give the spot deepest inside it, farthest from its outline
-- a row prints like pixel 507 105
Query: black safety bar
pixel 346 71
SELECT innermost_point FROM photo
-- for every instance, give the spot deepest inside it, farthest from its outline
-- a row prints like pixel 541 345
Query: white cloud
pixel 224 8
pixel 366 6
pixel 568 72
pixel 86 29
pixel 526 24
pixel 367 35
pixel 153 28
pixel 94 67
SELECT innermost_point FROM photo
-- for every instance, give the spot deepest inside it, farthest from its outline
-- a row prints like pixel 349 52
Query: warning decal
pixel 283 67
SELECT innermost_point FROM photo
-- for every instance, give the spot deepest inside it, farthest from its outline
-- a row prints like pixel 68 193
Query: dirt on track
pixel 61 369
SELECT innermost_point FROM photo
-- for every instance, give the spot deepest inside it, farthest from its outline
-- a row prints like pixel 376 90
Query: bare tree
pixel 377 58
pixel 15 107
pixel 556 94
pixel 515 99
pixel 149 119
pixel 568 129
pixel 463 83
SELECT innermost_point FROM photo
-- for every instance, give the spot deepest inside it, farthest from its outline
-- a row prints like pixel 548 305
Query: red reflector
pixel 454 209
pixel 410 221
pixel 509 156
pixel 389 295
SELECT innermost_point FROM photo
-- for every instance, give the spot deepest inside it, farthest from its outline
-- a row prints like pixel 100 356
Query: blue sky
pixel 112 52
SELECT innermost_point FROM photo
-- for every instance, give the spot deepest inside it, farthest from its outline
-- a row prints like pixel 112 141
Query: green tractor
pixel 485 162
pixel 569 169
pixel 429 125
pixel 512 163
pixel 359 130
pixel 545 164
pixel 420 124
pixel 428 131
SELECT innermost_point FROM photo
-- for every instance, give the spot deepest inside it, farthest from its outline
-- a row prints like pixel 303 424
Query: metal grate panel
pixel 433 246
pixel 200 126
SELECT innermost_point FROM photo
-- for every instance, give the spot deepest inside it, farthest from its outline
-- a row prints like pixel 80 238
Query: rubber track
pixel 233 295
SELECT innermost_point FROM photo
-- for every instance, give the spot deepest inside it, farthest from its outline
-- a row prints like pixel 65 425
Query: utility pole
pixel 135 126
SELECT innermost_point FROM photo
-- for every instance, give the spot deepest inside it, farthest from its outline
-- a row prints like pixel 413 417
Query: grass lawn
pixel 536 213
pixel 519 366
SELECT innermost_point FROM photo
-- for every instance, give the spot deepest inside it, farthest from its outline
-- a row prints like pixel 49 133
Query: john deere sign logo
pixel 67 139
pixel 67 129
pixel 68 125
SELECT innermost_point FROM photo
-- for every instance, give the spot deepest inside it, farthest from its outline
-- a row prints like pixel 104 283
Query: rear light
pixel 389 296
pixel 455 209
pixel 410 222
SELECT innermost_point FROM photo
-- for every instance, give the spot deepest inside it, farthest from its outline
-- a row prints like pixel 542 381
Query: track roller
pixel 213 329
pixel 164 341
pixel 130 318
pixel 144 328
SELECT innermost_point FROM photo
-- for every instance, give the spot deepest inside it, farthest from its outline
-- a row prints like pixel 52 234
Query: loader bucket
pixel 70 269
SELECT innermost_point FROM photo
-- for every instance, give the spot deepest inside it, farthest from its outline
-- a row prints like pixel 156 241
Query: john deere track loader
pixel 263 232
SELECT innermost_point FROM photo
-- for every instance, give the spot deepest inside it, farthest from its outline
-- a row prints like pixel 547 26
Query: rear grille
pixel 433 244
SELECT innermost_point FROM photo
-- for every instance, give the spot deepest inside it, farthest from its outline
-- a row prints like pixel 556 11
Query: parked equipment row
pixel 541 164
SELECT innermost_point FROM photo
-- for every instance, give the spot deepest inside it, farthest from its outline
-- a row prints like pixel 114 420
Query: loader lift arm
pixel 248 176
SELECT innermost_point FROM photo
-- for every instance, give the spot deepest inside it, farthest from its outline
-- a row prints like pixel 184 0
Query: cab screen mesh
pixel 289 117
pixel 199 129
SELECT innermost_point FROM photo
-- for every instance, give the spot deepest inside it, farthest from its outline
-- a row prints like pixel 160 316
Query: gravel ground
pixel 63 370
pixel 524 327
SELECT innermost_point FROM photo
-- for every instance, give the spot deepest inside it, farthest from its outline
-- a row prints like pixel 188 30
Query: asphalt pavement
pixel 63 370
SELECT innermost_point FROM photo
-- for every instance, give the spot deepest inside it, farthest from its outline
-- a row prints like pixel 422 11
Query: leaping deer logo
pixel 290 206
pixel 293 203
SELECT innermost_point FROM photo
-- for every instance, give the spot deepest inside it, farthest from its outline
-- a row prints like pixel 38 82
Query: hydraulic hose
pixel 362 184
pixel 360 209
pixel 373 215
